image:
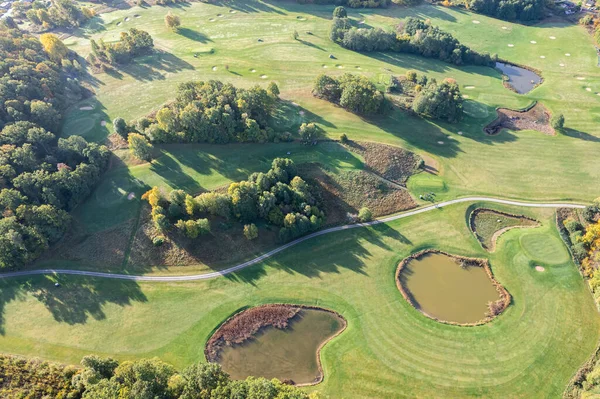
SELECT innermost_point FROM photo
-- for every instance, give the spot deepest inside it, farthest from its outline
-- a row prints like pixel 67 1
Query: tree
pixel 140 147
pixel 340 12
pixel 120 127
pixel 250 231
pixel 365 215
pixel 172 22
pixel 360 95
pixel 557 122
pixel 442 101
pixel 273 90
pixel 55 48
pixel 295 35
pixel 308 132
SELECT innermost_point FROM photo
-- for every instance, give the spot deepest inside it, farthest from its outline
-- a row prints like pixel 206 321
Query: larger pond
pixel 520 79
pixel 442 288
pixel 286 354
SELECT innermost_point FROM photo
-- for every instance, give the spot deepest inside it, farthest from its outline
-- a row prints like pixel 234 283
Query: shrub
pixel 172 22
pixel 140 147
pixel 120 127
pixel 340 12
pixel 365 215
pixel 250 231
pixel 344 138
pixel 557 121
pixel 412 76
pixel 158 241
pixel 573 225
pixel 308 131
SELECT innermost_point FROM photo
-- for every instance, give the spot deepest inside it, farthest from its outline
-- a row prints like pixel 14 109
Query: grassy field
pixel 538 167
pixel 389 349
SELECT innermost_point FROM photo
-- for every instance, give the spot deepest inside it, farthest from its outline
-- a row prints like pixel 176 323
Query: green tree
pixel 365 215
pixel 140 147
pixel 172 22
pixel 120 127
pixel 250 231
pixel 340 12
pixel 557 122
pixel 442 101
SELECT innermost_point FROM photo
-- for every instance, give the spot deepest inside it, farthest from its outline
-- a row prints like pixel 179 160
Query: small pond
pixel 286 354
pixel 442 288
pixel 521 79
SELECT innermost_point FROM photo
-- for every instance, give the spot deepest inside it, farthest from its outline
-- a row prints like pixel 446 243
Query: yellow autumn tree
pixel 55 48
pixel 153 196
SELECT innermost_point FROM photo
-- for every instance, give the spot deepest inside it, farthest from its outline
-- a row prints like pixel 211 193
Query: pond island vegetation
pixel 299 199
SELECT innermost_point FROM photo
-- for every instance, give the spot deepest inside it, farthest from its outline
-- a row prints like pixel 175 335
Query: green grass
pixel 539 166
pixel 488 223
pixel 389 349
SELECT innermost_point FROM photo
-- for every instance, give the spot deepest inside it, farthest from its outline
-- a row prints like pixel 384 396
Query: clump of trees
pixel 131 44
pixel 279 197
pixel 356 93
pixel 592 23
pixel 509 10
pixel 439 101
pixel 56 14
pixel 214 112
pixel 414 36
pixel 353 3
pixel 42 176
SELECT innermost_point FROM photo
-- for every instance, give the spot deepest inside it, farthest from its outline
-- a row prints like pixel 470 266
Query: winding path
pixel 269 254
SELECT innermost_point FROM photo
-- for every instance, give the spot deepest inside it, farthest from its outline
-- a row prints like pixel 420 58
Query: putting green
pixel 544 248
pixel 475 109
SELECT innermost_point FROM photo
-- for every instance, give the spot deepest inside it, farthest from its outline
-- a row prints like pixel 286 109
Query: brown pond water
pixel 443 289
pixel 284 354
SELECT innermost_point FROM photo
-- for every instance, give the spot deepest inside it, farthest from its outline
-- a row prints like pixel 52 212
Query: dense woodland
pixel 509 10
pixel 42 176
pixel 56 14
pixel 279 197
pixel 413 36
pixel 105 378
pixel 212 112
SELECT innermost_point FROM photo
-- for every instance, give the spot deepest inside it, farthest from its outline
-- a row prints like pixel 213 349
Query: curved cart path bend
pixel 269 254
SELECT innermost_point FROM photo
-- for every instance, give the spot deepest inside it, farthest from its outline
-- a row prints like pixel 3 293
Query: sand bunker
pixel 561 65
pixel 440 142
pixel 536 118
pixel 460 133
pixel 511 45
pixel 102 123
pixel 119 23
pixel 568 54
pixel 253 70
pixel 465 96
pixel 220 15
pixel 232 11
pixel 533 42
pixel 86 108
pixel 130 196
pixel 476 22
pixel 137 16
pixel 540 268
pixel 299 18
pixel 469 87
pixel 357 67
pixel 542 56
pixel 588 89
pixel 127 19
pixel 504 27
pixel 263 76
pixel 580 78
pixel 361 22
pixel 212 19
pixel 214 68
pixel 552 37
pixel 325 66
pixel 339 66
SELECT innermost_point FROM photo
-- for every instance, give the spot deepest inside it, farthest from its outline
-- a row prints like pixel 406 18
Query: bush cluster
pixel 509 10
pixel 42 176
pixel 212 112
pixel 279 197
pixel 55 14
pixel 356 93
pixel 439 101
pixel 414 36
pixel 131 44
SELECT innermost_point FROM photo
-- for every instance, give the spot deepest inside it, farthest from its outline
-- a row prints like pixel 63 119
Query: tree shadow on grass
pixel 153 67
pixel 248 6
pixel 576 134
pixel 194 35
pixel 75 301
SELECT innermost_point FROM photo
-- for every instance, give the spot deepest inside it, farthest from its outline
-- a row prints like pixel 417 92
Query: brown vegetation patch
pixel 225 244
pixel 524 221
pixel 342 194
pixel 536 118
pixel 106 247
pixel 494 308
pixel 245 324
pixel 392 163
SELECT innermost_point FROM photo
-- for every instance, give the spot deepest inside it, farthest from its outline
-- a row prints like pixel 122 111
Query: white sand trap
pixel 102 123
pixel 511 45
pixel 533 42
pixel 212 19
pixel 476 22
pixel 325 66
pixel 504 27
pixel 460 133
pixel 469 87
pixel 295 104
pixel 540 268
pixel 542 56
pixel 588 89
pixel 561 65
pixel 580 78
pixel 232 11
pixel 137 16
pixel 263 76
pixel 253 70
pixel 127 19
pixel 357 67
pixel 220 15
pixel 440 142
pixel 339 66
pixel 86 108
pixel 119 23
pixel 552 37
pixel 568 54
pixel 214 68
pixel 598 94
pixel 361 22
pixel 130 196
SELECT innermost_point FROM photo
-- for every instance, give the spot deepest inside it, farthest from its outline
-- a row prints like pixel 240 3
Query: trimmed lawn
pixel 389 349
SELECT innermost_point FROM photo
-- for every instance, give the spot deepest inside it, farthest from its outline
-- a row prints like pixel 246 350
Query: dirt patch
pixel 243 325
pixel 495 308
pixel 342 194
pixel 392 163
pixel 499 222
pixel 536 118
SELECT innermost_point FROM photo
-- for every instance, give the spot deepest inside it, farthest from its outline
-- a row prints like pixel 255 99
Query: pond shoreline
pixel 495 308
pixel 281 314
